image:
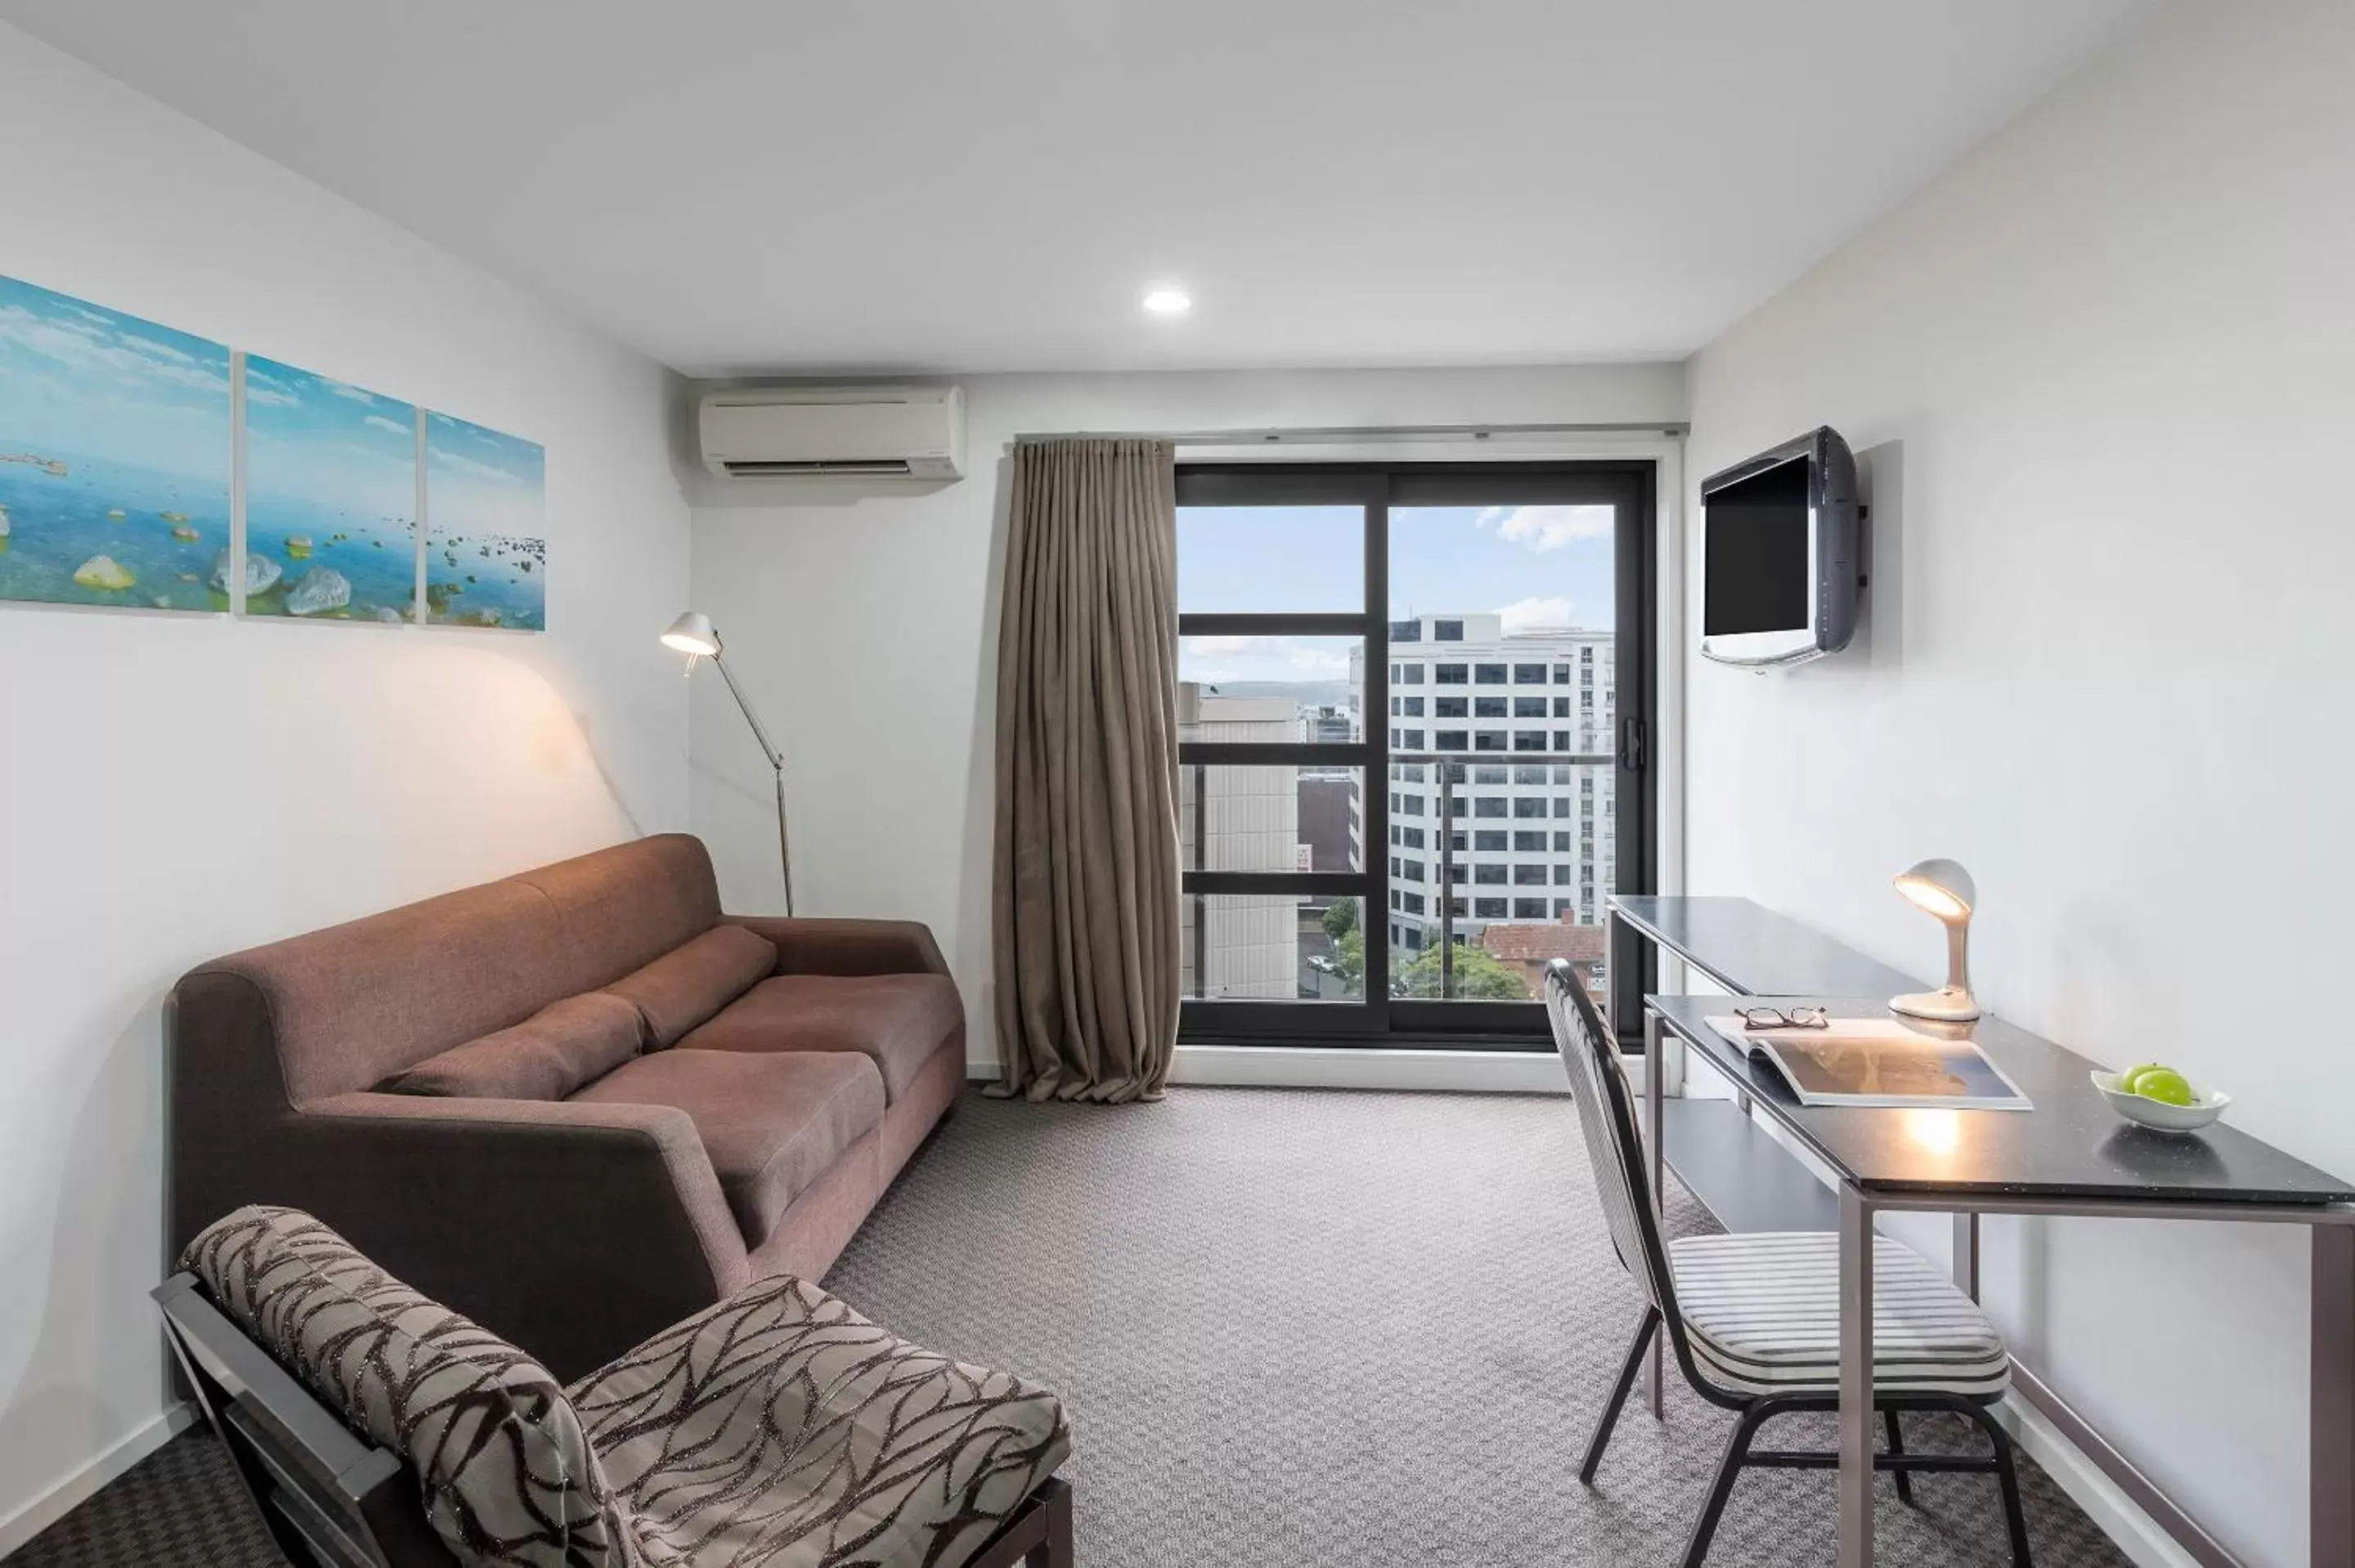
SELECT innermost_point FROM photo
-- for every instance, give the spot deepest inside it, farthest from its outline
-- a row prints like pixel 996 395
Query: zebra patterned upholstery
pixel 781 1428
pixel 508 1475
pixel 1761 1313
pixel 778 1429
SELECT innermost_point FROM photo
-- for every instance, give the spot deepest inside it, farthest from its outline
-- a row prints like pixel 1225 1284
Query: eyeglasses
pixel 1775 1018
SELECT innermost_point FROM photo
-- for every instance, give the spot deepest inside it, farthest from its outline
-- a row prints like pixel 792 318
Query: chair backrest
pixel 327 1496
pixel 494 1443
pixel 1607 1115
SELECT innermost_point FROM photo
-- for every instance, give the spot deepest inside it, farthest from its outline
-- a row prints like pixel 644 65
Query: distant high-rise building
pixel 1331 830
pixel 1239 818
pixel 1531 838
pixel 1329 724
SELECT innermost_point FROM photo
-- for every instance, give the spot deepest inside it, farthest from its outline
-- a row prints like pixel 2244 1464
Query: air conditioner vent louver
pixel 883 468
pixel 805 433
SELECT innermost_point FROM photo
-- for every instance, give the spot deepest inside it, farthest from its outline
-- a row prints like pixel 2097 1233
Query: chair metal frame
pixel 332 1500
pixel 1607 1114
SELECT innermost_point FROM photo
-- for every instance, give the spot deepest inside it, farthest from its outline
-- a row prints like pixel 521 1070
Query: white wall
pixel 172 787
pixel 2104 372
pixel 863 623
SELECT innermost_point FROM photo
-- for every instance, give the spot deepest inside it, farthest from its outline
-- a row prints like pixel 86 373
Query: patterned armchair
pixel 777 1429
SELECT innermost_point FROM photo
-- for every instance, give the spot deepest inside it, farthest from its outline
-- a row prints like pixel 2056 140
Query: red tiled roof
pixel 1541 944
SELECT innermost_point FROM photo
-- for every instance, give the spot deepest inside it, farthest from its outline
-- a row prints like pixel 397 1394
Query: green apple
pixel 2165 1085
pixel 2126 1079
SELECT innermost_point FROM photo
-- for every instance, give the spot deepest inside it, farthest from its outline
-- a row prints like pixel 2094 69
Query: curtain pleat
pixel 1085 919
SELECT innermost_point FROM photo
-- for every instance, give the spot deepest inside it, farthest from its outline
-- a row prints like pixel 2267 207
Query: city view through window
pixel 1491 732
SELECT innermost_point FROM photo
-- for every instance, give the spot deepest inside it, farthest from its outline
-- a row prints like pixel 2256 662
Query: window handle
pixel 1634 745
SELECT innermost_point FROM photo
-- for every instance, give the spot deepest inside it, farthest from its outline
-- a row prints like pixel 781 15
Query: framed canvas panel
pixel 330 498
pixel 115 458
pixel 485 510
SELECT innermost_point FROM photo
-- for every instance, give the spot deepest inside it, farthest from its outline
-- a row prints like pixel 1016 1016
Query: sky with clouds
pixel 1536 566
pixel 79 380
pixel 328 442
pixel 480 481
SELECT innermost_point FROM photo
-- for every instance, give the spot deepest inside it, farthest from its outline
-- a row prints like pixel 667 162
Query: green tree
pixel 1480 976
pixel 1352 958
pixel 1341 918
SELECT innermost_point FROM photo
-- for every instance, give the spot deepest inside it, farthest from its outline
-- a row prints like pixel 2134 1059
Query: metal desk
pixel 2070 1156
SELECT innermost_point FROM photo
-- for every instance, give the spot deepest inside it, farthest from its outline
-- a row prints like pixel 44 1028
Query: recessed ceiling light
pixel 1168 301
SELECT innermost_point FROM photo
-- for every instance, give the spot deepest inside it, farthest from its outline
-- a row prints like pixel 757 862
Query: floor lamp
pixel 694 635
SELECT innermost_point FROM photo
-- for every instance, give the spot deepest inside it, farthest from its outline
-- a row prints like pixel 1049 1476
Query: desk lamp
pixel 694 635
pixel 1944 890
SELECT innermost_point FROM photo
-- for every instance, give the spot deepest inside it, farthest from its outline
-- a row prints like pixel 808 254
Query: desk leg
pixel 2330 1482
pixel 1654 1116
pixel 1966 1255
pixel 1856 1415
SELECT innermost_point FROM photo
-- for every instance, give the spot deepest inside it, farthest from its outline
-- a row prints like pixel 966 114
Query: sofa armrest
pixel 808 947
pixel 576 1230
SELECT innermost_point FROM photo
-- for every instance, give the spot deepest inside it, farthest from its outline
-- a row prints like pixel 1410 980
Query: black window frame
pixel 1377 1019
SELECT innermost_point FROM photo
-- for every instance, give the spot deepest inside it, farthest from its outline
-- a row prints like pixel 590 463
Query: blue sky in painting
pixel 481 480
pixel 330 442
pixel 79 380
pixel 1535 566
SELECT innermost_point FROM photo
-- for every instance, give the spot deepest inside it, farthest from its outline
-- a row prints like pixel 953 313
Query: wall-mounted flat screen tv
pixel 1782 554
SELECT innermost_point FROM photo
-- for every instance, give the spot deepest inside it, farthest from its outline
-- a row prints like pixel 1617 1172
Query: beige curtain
pixel 1086 925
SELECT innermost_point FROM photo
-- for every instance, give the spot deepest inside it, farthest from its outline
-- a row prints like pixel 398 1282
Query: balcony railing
pixel 1449 765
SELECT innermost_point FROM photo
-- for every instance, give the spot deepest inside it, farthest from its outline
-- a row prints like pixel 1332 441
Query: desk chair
pixel 1753 1319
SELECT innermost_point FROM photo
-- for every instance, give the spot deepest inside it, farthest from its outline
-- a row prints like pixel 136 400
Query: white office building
pixel 1239 945
pixel 1532 838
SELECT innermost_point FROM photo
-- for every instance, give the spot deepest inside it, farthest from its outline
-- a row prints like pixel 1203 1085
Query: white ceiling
pixel 898 185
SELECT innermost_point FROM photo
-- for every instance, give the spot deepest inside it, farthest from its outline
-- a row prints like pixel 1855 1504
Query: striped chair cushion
pixel 1761 1312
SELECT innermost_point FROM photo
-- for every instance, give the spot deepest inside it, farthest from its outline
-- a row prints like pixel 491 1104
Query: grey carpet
pixel 1350 1328
pixel 180 1506
pixel 1294 1327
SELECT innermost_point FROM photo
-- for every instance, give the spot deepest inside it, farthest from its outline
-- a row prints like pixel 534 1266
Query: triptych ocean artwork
pixel 118 483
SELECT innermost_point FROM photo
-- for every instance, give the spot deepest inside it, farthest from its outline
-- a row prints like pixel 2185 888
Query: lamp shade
pixel 693 633
pixel 1941 887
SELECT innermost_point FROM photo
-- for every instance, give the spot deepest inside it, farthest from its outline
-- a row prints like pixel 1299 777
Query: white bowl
pixel 2157 1114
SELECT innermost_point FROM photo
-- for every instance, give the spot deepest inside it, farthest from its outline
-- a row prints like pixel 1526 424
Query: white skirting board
pixel 2114 1513
pixel 1339 1067
pixel 77 1488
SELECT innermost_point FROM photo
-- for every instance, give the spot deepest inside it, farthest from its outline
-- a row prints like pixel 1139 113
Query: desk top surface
pixel 2072 1145
pixel 1749 949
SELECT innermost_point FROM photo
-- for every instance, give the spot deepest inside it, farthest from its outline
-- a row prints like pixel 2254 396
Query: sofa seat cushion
pixel 781 1428
pixel 896 1020
pixel 695 980
pixel 771 1123
pixel 547 1057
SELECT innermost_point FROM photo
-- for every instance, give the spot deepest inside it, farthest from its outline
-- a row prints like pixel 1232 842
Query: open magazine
pixel 1877 1062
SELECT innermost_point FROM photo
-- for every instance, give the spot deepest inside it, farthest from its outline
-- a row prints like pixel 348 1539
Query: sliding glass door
pixel 1414 714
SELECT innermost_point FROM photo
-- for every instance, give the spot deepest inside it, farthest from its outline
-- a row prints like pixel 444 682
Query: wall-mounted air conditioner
pixel 884 432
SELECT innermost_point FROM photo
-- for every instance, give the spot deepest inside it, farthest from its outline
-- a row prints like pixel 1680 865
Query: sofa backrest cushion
pixel 564 1046
pixel 624 907
pixel 351 1005
pixel 507 1472
pixel 688 984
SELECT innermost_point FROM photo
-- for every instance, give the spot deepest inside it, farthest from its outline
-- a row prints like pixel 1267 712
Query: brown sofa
pixel 577 1105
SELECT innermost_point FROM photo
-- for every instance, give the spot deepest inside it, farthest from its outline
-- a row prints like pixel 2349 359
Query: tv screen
pixel 1756 575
